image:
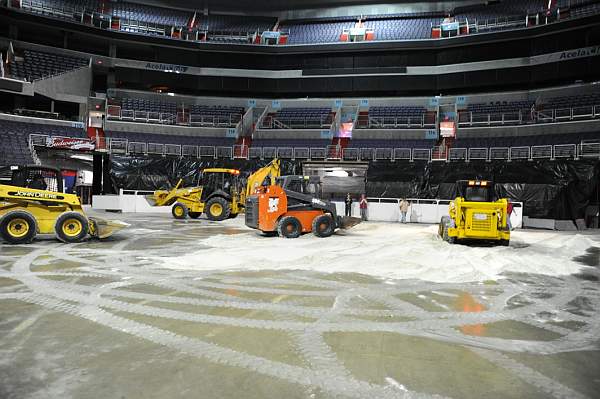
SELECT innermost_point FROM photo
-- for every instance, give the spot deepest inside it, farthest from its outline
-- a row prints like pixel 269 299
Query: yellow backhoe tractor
pixel 34 203
pixel 220 193
pixel 476 214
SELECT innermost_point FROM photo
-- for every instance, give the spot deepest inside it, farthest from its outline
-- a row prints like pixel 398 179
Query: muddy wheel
pixel 18 227
pixel 179 211
pixel 194 215
pixel 505 243
pixel 289 227
pixel 443 230
pixel 217 209
pixel 71 227
pixel 322 226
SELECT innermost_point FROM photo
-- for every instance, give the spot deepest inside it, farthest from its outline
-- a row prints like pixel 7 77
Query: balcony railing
pixel 274 122
pixel 558 151
pixel 426 120
pixel 116 113
pixel 524 117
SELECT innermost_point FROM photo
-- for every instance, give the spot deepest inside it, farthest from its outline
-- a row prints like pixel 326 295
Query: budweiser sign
pixel 70 143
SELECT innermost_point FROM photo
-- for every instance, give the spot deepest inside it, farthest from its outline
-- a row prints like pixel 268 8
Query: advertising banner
pixel 68 143
pixel 447 129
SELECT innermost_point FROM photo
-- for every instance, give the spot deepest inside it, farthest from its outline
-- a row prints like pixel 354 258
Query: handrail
pixel 552 115
pixel 116 112
pixel 334 152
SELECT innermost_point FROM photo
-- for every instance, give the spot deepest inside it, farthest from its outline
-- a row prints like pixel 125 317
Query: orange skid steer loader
pixel 292 207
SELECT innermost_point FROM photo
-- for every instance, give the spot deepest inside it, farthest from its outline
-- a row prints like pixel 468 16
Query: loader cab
pixel 308 185
pixel 224 181
pixel 37 177
pixel 476 190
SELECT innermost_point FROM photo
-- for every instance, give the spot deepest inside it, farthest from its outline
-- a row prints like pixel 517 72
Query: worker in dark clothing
pixel 38 183
pixel 348 202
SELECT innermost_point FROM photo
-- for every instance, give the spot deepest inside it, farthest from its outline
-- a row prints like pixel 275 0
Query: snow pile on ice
pixel 389 251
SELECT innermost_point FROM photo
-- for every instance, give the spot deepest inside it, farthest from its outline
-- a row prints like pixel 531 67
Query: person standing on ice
pixel 509 211
pixel 348 202
pixel 363 207
pixel 404 204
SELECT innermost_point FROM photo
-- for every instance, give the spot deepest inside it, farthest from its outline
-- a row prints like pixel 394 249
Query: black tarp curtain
pixel 549 189
pixel 153 173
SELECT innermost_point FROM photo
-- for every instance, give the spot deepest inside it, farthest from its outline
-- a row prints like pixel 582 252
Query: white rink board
pixel 420 211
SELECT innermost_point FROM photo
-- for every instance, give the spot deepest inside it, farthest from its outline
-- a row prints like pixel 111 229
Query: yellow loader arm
pixel 169 197
pixel 255 180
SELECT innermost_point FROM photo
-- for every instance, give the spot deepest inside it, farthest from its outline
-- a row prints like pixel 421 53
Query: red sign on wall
pixel 67 143
pixel 447 129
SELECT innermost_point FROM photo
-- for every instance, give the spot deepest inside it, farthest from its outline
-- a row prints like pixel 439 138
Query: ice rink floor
pixel 195 309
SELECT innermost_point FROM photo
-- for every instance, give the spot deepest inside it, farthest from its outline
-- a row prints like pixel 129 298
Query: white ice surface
pixel 389 250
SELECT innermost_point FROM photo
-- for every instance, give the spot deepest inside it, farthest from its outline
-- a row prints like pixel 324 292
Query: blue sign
pixel 78 125
pixel 434 102
pixel 326 134
pixel 461 100
pixel 364 102
pixel 431 135
pixel 270 34
pixel 251 103
pixel 231 133
pixel 276 104
pixel 339 103
pixel 450 26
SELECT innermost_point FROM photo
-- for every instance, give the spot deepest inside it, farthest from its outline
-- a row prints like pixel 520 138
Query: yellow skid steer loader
pixel 476 215
pixel 34 203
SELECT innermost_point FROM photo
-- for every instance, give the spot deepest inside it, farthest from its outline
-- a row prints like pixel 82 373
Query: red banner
pixel 68 143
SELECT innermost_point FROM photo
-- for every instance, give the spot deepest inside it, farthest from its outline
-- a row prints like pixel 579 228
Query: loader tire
pixel 505 243
pixel 289 227
pixel 179 211
pixel 18 227
pixel 194 215
pixel 71 227
pixel 217 209
pixel 443 230
pixel 322 226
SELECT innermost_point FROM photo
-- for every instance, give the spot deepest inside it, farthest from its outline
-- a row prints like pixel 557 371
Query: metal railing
pixel 124 146
pixel 273 122
pixel 148 28
pixel 115 112
pixel 523 117
pixel 426 120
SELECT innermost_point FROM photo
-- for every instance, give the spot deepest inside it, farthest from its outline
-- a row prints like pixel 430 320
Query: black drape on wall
pixel 549 189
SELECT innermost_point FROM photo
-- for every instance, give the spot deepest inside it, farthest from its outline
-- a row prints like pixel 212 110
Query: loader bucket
pixel 346 222
pixel 151 198
pixel 100 228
